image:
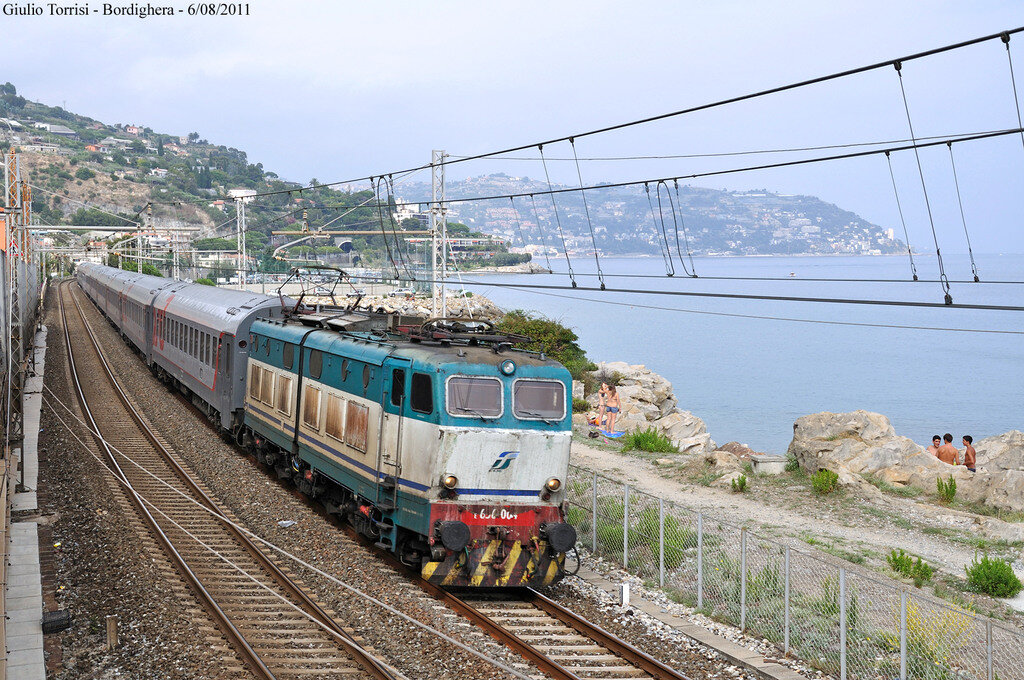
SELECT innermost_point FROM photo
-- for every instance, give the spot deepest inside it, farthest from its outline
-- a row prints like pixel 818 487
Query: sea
pixel 749 368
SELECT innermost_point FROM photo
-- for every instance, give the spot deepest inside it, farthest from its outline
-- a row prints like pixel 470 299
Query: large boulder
pixel 1002 452
pixel 863 440
pixel 648 401
pixel 862 443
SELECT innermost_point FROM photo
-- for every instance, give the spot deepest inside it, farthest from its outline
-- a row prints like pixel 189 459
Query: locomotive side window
pixel 397 386
pixel 468 397
pixel 288 355
pixel 267 388
pixel 335 418
pixel 421 398
pixel 311 407
pixel 357 420
pixel 316 363
pixel 255 373
pixel 538 399
pixel 284 394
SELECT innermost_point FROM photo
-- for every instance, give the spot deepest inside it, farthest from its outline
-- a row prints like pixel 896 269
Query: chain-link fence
pixel 841 620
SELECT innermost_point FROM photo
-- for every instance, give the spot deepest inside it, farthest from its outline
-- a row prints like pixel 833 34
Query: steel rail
pixel 369 663
pixel 239 643
pixel 607 640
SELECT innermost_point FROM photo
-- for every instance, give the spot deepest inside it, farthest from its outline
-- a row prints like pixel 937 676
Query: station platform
pixel 23 594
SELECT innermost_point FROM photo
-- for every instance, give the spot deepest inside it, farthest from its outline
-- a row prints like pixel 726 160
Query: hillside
pixel 74 160
pixel 755 222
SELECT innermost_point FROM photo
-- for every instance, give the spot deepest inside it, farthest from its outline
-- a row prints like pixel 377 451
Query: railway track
pixel 559 642
pixel 254 603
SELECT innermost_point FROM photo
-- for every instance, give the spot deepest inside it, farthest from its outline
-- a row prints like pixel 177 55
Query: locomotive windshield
pixel 469 397
pixel 538 399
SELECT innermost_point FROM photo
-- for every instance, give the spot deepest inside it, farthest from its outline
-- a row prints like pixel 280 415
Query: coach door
pixel 389 457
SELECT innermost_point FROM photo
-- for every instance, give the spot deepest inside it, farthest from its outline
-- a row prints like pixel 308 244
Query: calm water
pixel 749 379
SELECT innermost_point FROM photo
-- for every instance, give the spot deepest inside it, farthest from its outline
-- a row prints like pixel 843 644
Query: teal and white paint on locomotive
pixel 452 455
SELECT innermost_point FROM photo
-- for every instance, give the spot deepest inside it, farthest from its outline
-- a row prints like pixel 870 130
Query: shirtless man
pixel 934 448
pixel 947 453
pixel 970 455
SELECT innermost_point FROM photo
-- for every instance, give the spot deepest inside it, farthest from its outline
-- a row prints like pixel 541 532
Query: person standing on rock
pixel 934 448
pixel 613 404
pixel 947 453
pixel 970 455
pixel 602 405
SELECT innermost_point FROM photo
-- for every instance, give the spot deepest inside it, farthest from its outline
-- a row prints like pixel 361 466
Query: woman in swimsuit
pixel 602 396
pixel 613 404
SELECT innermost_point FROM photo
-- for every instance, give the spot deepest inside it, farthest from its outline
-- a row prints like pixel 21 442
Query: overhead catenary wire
pixel 675 223
pixel 666 254
pixel 519 224
pixel 686 238
pixel 903 221
pixel 745 296
pixel 963 218
pixel 586 210
pixel 558 220
pixel 688 110
pixel 1005 37
pixel 543 241
pixel 84 204
pixel 924 189
pixel 766 317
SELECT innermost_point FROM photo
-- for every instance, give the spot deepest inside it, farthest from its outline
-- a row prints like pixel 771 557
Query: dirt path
pixel 866 526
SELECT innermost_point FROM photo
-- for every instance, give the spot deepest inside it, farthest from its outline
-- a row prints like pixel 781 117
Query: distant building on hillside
pixel 133 129
pixel 159 172
pixel 96 148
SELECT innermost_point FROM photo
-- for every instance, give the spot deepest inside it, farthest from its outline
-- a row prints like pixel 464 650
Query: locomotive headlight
pixel 553 484
pixel 450 481
pixel 508 367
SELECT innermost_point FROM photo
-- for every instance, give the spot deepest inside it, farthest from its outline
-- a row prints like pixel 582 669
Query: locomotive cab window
pixel 474 397
pixel 288 355
pixel 538 399
pixel 421 398
pixel 397 386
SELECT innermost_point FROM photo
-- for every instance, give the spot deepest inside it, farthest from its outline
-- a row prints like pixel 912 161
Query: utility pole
pixel 240 220
pixel 438 225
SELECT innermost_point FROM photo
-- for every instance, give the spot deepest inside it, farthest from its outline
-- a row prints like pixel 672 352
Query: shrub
pixel 947 489
pixel 84 173
pixel 739 485
pixel 992 576
pixel 209 282
pixel 824 481
pixel 648 440
pixel 792 464
pixel 902 563
pixel 578 405
pixel 546 335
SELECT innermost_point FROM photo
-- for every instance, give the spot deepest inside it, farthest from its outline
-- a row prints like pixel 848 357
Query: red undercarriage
pixel 505 547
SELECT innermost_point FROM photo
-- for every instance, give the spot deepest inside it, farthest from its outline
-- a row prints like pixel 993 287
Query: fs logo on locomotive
pixel 503 460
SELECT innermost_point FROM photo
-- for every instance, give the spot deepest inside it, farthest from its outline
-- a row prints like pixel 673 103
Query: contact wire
pixel 903 221
pixel 920 171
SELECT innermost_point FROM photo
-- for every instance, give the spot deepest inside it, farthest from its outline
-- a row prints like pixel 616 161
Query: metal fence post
pixel 785 632
pixel 988 650
pixel 700 560
pixel 593 523
pixel 743 579
pixel 903 635
pixel 625 529
pixel 661 542
pixel 842 623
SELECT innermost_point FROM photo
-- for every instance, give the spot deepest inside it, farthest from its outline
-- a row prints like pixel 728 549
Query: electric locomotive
pixel 444 443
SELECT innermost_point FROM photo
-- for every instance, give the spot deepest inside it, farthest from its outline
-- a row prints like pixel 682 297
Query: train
pixel 440 439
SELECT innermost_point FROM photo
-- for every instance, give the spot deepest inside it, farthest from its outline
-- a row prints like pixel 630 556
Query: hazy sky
pixel 334 90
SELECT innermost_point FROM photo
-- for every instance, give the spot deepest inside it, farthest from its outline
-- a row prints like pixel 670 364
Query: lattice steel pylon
pixel 17 208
